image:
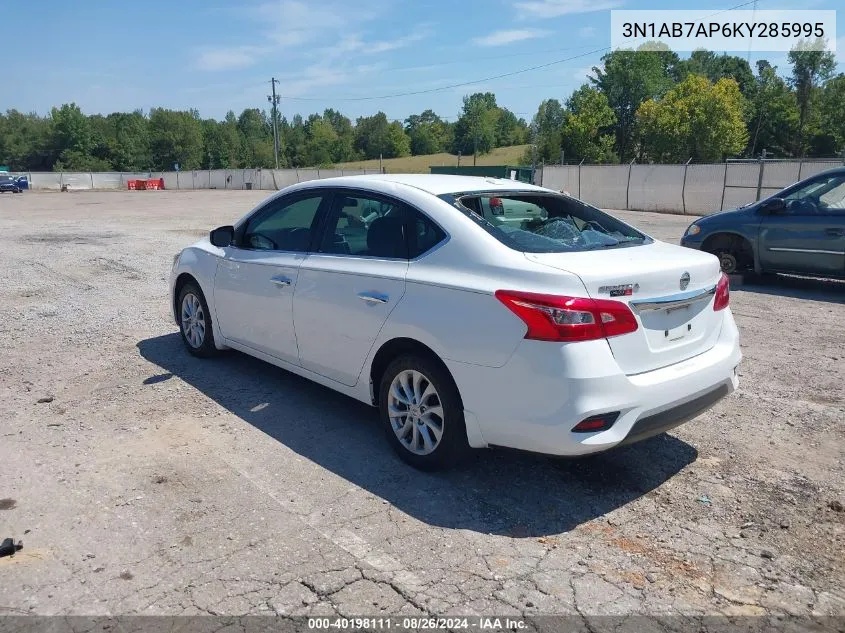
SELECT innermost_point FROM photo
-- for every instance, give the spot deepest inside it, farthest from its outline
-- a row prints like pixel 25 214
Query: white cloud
pixel 229 58
pixel 319 76
pixel 317 30
pixel 557 8
pixel 359 45
pixel 501 38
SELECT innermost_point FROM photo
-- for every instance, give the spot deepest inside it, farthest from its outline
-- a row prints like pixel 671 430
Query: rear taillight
pixel 496 206
pixel 723 293
pixel 556 318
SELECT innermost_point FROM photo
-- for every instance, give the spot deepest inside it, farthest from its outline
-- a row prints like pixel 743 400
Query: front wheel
pixel 195 322
pixel 422 413
pixel 728 261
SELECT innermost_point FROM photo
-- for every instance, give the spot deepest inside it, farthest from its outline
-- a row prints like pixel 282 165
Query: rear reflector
pixel 596 423
pixel 558 318
pixel 723 293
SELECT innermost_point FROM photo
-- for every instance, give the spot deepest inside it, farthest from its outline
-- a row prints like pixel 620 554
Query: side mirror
pixel 222 236
pixel 773 206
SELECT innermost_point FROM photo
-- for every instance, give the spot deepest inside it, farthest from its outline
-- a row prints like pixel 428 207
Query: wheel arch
pixel 181 280
pixel 732 240
pixel 394 348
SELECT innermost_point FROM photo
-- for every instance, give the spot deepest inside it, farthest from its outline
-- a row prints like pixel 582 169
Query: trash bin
pixel 248 186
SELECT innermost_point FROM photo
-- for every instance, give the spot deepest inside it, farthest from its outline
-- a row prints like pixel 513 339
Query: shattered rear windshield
pixel 545 223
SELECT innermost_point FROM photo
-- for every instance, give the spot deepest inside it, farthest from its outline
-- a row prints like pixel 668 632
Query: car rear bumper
pixel 544 390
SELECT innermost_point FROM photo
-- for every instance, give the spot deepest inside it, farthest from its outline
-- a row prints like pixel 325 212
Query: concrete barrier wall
pixel 702 191
pixel 604 186
pixel 656 188
pixel 690 189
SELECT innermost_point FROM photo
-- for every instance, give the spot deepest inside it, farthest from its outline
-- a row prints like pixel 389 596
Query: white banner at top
pixel 724 31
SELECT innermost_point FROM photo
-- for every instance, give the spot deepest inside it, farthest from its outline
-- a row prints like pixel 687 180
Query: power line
pixel 493 77
pixel 450 86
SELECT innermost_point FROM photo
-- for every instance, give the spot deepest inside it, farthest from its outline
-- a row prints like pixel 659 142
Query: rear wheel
pixel 195 322
pixel 422 413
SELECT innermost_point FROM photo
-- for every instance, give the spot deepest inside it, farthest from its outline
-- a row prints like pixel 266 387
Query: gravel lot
pixel 142 480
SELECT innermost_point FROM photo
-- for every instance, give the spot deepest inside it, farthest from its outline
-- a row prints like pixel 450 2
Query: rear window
pixel 545 223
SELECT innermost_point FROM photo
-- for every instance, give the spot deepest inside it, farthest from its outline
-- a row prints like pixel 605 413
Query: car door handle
pixel 834 232
pixel 373 297
pixel 281 281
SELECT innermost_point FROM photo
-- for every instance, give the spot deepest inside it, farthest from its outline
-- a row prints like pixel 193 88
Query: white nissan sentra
pixel 473 312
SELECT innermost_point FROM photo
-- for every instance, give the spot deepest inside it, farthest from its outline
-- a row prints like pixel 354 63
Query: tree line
pixel 69 140
pixel 651 106
pixel 646 105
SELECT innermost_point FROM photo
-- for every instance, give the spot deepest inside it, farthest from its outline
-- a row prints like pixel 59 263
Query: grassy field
pixel 420 164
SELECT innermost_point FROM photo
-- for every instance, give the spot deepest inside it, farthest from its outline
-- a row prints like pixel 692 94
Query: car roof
pixel 436 184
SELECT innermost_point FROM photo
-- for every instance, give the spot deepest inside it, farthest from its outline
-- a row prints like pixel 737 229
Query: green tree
pixel 627 78
pixel 371 135
pixel 587 122
pixel 475 130
pixel 256 139
pixel 26 141
pixel 74 140
pixel 321 141
pixel 344 147
pixel 221 143
pixel 428 133
pixel 810 68
pixel 398 143
pixel 696 119
pixel 129 141
pixel 773 124
pixel 175 137
pixel 547 132
pixel 295 140
pixel 510 130
pixel 833 112
pixel 715 67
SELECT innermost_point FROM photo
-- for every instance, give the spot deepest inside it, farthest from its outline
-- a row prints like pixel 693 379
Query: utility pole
pixel 274 100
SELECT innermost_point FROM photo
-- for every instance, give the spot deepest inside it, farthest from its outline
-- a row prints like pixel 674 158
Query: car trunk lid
pixel 676 319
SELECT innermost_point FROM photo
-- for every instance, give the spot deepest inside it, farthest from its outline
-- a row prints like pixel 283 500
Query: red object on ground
pixel 141 185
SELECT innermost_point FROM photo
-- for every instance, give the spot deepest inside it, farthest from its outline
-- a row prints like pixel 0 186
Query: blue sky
pixel 217 55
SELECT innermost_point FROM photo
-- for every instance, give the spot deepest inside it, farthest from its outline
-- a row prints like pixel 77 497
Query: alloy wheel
pixel 416 412
pixel 193 320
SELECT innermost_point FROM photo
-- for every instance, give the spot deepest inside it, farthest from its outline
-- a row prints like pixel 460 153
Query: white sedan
pixel 567 332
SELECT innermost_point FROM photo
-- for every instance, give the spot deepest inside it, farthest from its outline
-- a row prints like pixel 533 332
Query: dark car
pixel 800 229
pixel 8 183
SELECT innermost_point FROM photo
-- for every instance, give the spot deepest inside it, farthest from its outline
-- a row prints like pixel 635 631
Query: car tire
pixel 195 322
pixel 728 261
pixel 418 398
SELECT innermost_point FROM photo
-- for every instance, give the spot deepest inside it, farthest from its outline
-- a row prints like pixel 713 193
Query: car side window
pixel 423 234
pixel 366 226
pixel 286 226
pixel 833 198
pixel 825 196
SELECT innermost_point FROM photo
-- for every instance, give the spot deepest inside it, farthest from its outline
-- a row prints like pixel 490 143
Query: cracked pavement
pixel 151 482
